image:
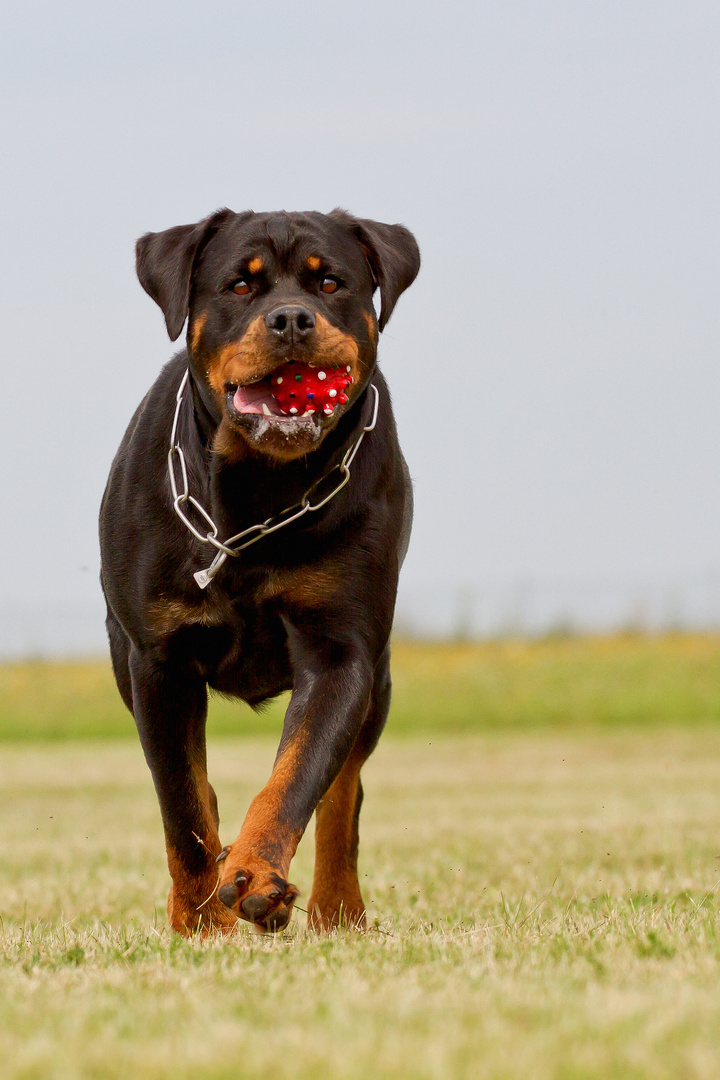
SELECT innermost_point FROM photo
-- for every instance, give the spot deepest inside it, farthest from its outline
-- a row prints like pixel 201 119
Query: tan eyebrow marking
pixel 255 265
pixel 313 262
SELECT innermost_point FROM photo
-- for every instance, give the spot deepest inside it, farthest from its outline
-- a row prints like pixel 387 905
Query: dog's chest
pixel 238 642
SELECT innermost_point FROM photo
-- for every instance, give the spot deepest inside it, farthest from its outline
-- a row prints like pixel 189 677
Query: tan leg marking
pixel 264 849
pixel 336 899
pixel 193 905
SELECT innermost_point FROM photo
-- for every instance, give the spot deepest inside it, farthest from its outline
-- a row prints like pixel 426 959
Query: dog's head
pixel 274 300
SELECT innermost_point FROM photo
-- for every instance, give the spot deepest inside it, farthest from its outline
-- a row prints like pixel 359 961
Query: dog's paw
pixel 261 897
pixel 188 917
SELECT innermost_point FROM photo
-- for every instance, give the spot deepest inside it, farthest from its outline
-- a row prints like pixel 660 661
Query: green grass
pixel 540 856
pixel 543 906
pixel 455 689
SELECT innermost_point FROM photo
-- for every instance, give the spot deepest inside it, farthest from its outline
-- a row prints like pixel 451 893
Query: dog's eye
pixel 241 287
pixel 329 284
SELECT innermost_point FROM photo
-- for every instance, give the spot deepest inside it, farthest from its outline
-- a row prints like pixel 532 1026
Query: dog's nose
pixel 291 322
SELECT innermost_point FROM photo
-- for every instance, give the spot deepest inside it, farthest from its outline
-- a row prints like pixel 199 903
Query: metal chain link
pixel 181 496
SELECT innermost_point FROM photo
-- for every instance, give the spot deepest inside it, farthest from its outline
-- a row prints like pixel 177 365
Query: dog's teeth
pixel 265 409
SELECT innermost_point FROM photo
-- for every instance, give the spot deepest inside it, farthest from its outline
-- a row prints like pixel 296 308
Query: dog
pixel 252 530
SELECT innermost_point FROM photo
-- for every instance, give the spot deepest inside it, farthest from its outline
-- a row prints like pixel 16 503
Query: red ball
pixel 299 388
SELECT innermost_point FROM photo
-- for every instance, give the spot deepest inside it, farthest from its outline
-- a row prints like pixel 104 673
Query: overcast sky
pixel 554 367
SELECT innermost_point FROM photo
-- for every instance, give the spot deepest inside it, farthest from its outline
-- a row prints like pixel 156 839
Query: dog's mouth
pixel 292 391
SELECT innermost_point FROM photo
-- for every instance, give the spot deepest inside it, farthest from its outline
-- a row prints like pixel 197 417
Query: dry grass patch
pixel 545 907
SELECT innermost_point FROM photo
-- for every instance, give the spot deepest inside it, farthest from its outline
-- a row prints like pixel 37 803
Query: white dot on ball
pixel 293 410
pixel 322 375
pixel 332 393
pixel 279 379
pixel 349 368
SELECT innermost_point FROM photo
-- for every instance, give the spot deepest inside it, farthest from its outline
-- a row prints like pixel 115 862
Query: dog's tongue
pixel 250 399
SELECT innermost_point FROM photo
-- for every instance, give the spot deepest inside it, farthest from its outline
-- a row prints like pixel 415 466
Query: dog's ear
pixel 393 255
pixel 164 263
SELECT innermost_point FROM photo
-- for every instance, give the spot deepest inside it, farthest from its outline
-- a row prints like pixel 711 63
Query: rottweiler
pixel 252 530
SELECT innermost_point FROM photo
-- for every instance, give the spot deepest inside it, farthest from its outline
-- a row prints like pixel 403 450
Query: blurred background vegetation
pixel 628 680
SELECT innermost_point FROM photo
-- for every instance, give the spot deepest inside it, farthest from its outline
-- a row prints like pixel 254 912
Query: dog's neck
pixel 206 413
pixel 251 489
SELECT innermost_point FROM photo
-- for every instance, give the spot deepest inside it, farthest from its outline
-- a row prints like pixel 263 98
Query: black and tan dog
pixel 309 606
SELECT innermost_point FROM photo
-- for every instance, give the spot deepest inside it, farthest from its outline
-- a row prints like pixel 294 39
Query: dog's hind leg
pixel 336 899
pixel 170 708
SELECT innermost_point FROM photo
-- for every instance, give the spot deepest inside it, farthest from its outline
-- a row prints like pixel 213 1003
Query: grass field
pixel 543 893
pixel 455 689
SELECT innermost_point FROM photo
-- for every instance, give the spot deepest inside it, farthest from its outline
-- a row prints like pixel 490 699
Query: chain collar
pixel 232 546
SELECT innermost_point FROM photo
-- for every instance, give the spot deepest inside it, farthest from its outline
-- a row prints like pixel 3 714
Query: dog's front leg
pixel 170 709
pixel 332 685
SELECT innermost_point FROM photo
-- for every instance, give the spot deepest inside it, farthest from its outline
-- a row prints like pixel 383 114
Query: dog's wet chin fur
pixel 281 438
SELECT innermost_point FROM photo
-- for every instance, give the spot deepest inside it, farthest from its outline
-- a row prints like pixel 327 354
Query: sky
pixel 554 368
